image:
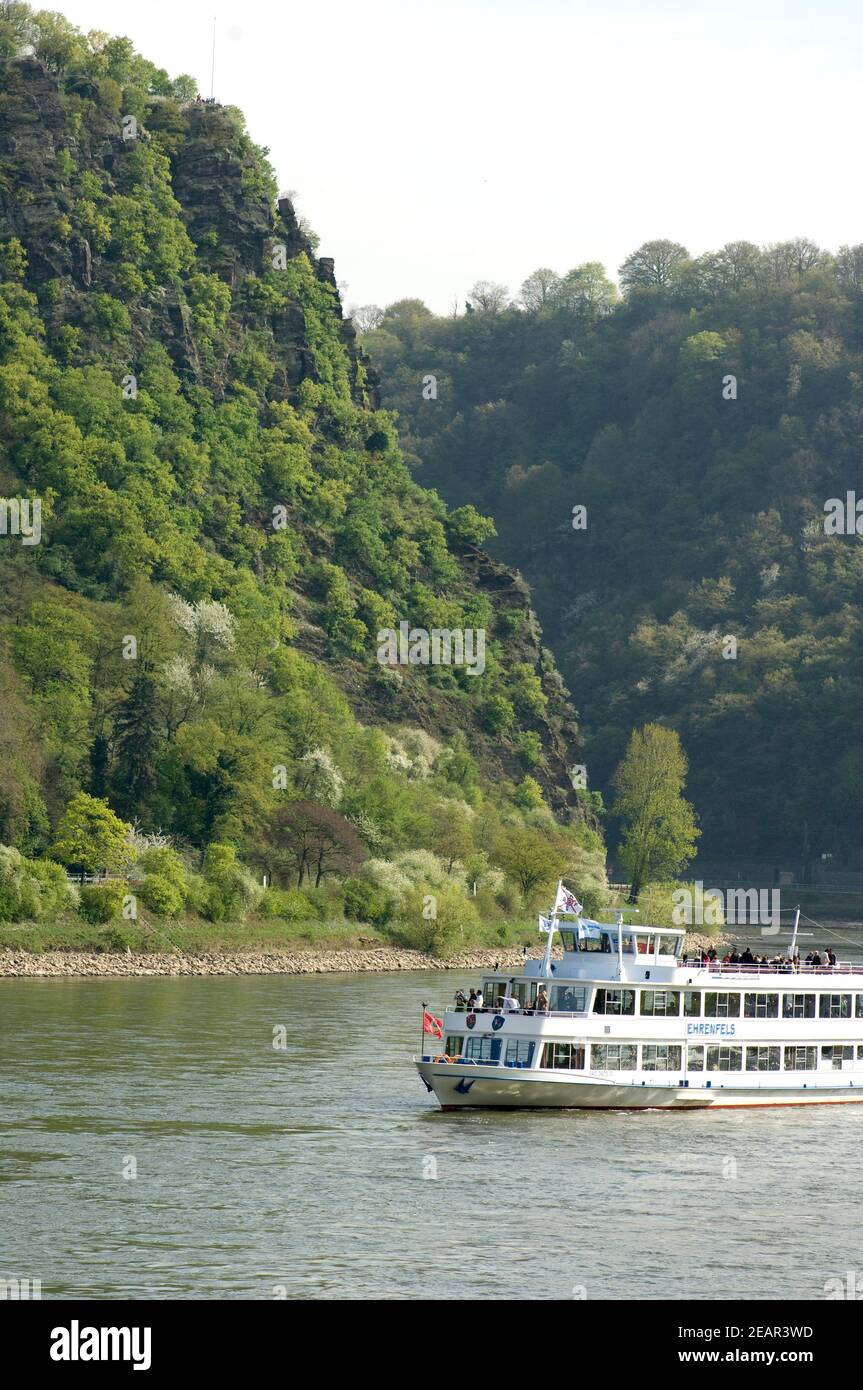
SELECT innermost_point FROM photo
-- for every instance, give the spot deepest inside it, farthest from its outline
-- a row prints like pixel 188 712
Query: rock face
pixel 224 202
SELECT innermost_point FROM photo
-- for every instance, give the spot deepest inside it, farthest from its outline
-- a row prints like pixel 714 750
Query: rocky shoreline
pixel 60 964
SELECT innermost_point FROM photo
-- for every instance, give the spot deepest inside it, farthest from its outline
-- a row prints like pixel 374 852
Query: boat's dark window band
pixel 568 999
pixel 614 1001
pixel 859 1008
pixel 834 1006
pixel 660 1057
pixel 483 1049
pixel 725 1059
pixel 454 1045
pixel 763 1058
pixel 837 1055
pixel 801 1059
pixel 519 1050
pixel 721 1005
pixel 798 1005
pixel 692 1003
pixel 695 1059
pixel 614 1056
pixel 564 1056
pixel 660 1003
pixel 761 1006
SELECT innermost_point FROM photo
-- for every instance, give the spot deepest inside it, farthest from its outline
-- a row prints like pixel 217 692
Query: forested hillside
pixel 703 417
pixel 227 524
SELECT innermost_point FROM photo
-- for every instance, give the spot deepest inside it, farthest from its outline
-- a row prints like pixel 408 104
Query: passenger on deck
pixel 816 959
pixel 471 1000
pixel 510 1003
pixel 479 1002
pixel 831 957
pixel 734 958
pixel 460 1001
pixel 711 954
pixel 541 1000
pixel 747 958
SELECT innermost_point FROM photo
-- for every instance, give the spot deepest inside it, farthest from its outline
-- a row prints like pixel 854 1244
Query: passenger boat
pixel 623 1022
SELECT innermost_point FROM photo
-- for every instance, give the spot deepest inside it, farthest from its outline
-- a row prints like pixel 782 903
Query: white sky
pixel 436 142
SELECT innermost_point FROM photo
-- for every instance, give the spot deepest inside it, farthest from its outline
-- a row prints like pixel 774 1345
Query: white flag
pixel 545 924
pixel 566 902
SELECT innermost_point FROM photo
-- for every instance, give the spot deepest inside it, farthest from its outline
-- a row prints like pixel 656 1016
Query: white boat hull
pixel 470 1087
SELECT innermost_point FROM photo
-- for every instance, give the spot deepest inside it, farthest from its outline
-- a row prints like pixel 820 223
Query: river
pixel 155 1144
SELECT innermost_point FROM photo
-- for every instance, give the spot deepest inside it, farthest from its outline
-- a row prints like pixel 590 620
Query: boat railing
pixel 745 968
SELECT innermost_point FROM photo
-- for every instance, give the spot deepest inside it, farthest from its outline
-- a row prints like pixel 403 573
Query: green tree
pixel 659 828
pixel 90 836
pixel 529 858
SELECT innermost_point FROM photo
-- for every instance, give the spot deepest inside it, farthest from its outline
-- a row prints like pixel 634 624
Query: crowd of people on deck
pixel 824 960
pixel 474 1002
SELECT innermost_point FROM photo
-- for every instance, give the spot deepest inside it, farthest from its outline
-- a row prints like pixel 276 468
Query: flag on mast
pixel 566 901
pixel 432 1025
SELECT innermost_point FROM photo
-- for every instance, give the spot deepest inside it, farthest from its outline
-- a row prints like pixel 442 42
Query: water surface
pixel 308 1171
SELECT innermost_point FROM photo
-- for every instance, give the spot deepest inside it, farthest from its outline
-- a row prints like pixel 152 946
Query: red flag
pixel 432 1025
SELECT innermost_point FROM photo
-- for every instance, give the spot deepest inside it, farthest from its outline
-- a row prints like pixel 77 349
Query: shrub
pixel 161 896
pixel 231 890
pixel 118 939
pixel 31 889
pixel 101 902
pixel 165 863
pixel 289 904
pixel 366 902
pixel 528 794
pixel 454 922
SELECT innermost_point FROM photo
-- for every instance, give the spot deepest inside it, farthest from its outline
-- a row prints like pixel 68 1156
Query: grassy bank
pixel 193 934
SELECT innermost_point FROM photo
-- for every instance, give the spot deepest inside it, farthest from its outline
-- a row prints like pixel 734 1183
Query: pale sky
pixel 436 142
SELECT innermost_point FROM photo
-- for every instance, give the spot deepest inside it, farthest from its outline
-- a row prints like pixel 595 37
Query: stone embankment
pixel 57 964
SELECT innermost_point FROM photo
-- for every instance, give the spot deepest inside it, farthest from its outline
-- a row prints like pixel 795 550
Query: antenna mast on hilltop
pixel 213 64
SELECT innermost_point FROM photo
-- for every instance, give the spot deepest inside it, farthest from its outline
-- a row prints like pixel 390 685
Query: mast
pixel 552 928
pixel 794 936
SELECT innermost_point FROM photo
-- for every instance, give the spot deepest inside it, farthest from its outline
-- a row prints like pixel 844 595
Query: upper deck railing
pixel 842 967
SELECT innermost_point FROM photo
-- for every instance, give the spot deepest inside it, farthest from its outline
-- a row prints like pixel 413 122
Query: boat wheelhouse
pixel 624 1021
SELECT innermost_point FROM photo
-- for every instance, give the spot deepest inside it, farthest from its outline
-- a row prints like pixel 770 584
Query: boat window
pixel 835 1006
pixel 493 992
pixel 525 993
pixel 721 1005
pixel 835 1056
pixel 660 1057
pixel 454 1045
pixel 801 1058
pixel 568 940
pixel 725 1059
pixel 519 1050
pixel 564 1056
pixel 668 945
pixel 594 943
pixel 614 1001
pixel 695 1059
pixel 644 944
pixel 660 1003
pixel 692 1003
pixel 860 1052
pixel 627 943
pixel 859 1009
pixel 613 1056
pixel 761 1006
pixel 798 1006
pixel 566 999
pixel 483 1049
pixel 763 1058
